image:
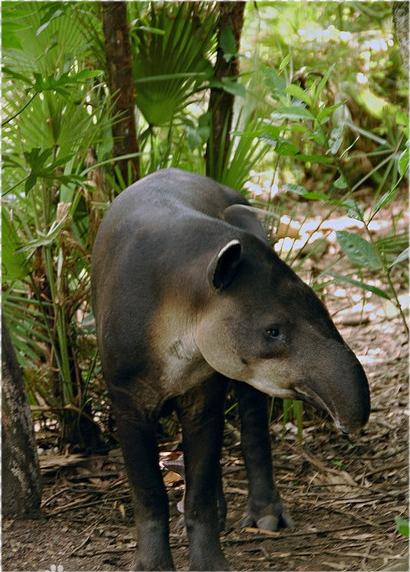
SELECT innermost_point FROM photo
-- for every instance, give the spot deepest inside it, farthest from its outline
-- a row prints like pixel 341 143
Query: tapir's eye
pixel 272 332
pixel 274 343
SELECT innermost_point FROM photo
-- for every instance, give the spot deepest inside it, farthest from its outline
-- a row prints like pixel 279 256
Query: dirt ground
pixel 343 492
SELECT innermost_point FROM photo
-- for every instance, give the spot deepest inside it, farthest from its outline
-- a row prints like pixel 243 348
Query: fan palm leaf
pixel 171 59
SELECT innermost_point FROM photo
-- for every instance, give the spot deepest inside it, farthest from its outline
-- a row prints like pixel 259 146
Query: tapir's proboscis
pixel 189 296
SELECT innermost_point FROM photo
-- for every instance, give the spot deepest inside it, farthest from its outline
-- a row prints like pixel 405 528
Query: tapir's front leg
pixel 201 412
pixel 264 508
pixel 139 446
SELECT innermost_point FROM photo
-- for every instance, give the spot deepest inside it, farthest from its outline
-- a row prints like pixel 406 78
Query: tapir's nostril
pixel 342 428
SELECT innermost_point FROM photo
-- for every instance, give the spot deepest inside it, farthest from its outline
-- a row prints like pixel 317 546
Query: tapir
pixel 189 296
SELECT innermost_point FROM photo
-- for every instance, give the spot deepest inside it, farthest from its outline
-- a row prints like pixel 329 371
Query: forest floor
pixel 343 492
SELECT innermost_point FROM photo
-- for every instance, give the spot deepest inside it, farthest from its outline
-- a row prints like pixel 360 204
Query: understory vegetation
pixel 318 130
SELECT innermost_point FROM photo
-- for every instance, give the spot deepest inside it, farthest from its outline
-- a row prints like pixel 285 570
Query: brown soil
pixel 343 492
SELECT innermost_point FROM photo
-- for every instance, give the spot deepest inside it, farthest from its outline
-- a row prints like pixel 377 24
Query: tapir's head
pixel 265 327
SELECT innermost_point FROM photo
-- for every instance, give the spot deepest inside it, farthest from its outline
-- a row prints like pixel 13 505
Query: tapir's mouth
pixel 305 393
pixel 309 395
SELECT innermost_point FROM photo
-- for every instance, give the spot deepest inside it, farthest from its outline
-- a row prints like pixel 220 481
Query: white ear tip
pixel 231 243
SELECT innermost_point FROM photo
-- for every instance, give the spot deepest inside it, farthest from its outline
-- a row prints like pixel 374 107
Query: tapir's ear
pixel 245 217
pixel 224 265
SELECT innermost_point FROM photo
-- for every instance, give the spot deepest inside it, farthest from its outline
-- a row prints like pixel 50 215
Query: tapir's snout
pixel 342 390
pixel 355 413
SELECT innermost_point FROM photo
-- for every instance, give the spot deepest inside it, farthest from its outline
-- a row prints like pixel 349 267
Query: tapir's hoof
pixel 268 522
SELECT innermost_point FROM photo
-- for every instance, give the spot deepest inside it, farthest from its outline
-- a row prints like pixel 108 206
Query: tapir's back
pixel 172 192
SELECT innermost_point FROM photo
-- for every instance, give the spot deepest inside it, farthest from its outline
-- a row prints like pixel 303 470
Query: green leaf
pixel 362 285
pixel 358 250
pixel 340 183
pixel 314 159
pixel 227 43
pixel 365 133
pixel 270 134
pixel 15 75
pixel 334 145
pixel 295 189
pixel 46 239
pixel 352 208
pixel 299 93
pixel 293 112
pixel 197 135
pixel 404 162
pixel 10 35
pixel 284 62
pixel 48 18
pixel 316 196
pixel 324 113
pixel 401 257
pixel 14 265
pixel 402 118
pixel 37 159
pixel 319 138
pixel 29 184
pixel 298 128
pixel 402 525
pixel 13 25
pixel 231 86
pixel 173 76
pixel 322 83
pixel 286 148
pixel 58 83
pixel 85 74
pixel 385 199
pixel 339 464
pixel 275 82
pixel 168 68
pixel 336 139
pixel 149 29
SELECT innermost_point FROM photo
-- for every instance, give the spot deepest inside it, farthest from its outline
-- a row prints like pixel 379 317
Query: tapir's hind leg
pixel 201 412
pixel 139 446
pixel 264 508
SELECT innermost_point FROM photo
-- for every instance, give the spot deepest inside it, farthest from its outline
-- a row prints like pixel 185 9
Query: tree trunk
pixel 401 25
pixel 119 68
pixel 21 487
pixel 231 16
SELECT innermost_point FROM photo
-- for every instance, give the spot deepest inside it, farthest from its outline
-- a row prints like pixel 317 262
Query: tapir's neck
pixel 173 343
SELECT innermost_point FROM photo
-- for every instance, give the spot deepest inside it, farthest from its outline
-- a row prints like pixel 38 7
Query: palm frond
pixel 172 57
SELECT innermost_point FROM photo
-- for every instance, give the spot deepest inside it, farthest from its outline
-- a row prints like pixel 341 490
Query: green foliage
pixel 54 113
pixel 358 249
pixel 309 127
pixel 245 152
pixel 172 43
pixel 293 411
pixel 402 525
